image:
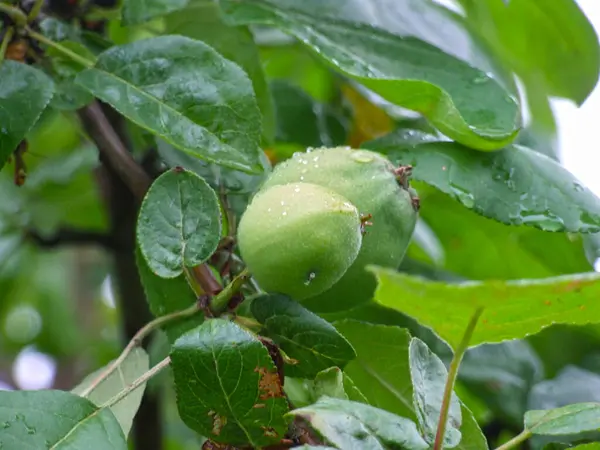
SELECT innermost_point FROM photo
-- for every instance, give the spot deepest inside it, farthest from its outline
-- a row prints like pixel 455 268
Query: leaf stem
pixel 136 341
pixel 8 35
pixel 452 374
pixel 219 303
pixel 523 436
pixel 17 16
pixel 35 10
pixel 138 382
pixel 65 51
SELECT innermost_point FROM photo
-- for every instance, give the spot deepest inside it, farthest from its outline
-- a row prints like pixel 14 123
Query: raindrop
pixel 481 79
pixel 310 278
pixel 544 220
pixel 362 157
pixel 309 149
pixel 578 187
pixel 465 197
pixel 297 189
pixel 284 213
pixel 6 425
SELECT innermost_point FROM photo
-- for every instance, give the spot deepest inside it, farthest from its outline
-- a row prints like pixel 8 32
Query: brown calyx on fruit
pixel 365 221
pixel 403 174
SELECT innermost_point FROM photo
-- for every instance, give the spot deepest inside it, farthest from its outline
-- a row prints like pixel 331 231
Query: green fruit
pixel 367 179
pixel 299 239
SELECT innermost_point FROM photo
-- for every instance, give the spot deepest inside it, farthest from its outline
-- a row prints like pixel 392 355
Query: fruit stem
pixel 452 374
pixel 220 302
pixel 16 15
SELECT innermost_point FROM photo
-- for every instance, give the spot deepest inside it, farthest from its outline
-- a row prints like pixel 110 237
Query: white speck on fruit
pixel 310 279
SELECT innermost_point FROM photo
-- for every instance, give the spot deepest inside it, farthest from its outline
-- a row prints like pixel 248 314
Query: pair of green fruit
pixel 304 234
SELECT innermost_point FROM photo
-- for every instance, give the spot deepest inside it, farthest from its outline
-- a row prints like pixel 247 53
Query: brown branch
pixel 113 150
pixel 68 236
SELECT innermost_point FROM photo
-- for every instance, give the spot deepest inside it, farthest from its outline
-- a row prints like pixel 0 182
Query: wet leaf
pixel 470 107
pixel 134 366
pixel 302 335
pixel 571 419
pixel 558 35
pixel 24 94
pixel 350 424
pixel 381 372
pixel 429 375
pixel 202 20
pixel 179 223
pixel 501 252
pixel 168 295
pixel 227 385
pixel 515 186
pixel 512 309
pixel 183 91
pixel 139 11
pixel 58 420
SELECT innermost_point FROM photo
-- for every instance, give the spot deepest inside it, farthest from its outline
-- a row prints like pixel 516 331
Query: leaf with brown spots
pixel 512 309
pixel 222 374
pixel 269 383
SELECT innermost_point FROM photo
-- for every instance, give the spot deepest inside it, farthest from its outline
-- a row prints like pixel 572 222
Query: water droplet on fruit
pixel 362 157
pixel 309 149
pixel 297 189
pixel 310 278
pixel 284 213
pixel 481 79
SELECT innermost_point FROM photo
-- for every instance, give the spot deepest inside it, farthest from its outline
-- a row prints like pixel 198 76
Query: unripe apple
pixel 376 188
pixel 299 239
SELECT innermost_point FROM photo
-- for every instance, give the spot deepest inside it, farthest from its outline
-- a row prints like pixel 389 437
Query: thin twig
pixel 523 436
pixel 138 382
pixel 112 148
pixel 452 374
pixel 35 10
pixel 136 341
pixel 8 35
pixel 17 16
pixel 61 48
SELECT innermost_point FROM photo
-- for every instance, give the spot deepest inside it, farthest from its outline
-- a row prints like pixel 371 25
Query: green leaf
pixel 464 103
pixel 202 20
pixel 304 121
pixel 501 252
pixel 302 335
pixel 570 419
pixel 168 295
pixel 56 420
pixel 381 372
pixel 184 92
pixel 571 385
pixel 69 96
pixel 179 223
pixel 227 385
pixel 381 369
pixel 502 375
pixel 513 309
pixel 24 94
pixel 134 366
pixel 330 383
pixel 429 375
pixel 139 11
pixel 514 186
pixel 561 51
pixel 349 424
pixel 219 177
